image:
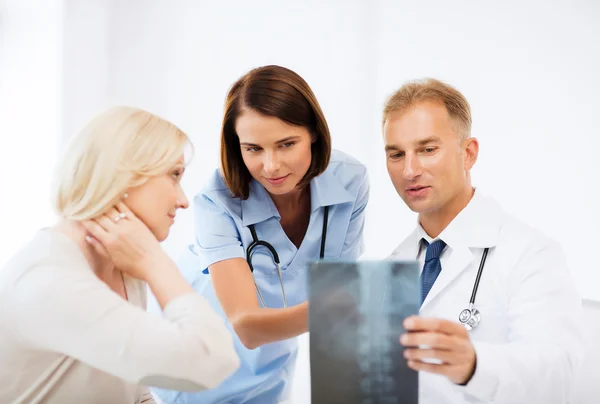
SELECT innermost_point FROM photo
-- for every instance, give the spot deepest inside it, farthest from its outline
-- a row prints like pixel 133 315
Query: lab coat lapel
pixel 408 249
pixel 466 232
pixel 458 261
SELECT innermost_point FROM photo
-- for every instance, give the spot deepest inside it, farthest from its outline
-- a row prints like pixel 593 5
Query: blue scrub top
pixel 221 225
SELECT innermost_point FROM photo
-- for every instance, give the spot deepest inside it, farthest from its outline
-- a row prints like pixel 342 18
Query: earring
pixel 126 195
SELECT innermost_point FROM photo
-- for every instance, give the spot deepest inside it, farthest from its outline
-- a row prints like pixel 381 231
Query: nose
pixel 182 200
pixel 412 167
pixel 271 163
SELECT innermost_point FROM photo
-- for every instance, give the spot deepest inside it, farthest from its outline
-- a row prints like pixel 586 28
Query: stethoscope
pixel 471 317
pixel 257 243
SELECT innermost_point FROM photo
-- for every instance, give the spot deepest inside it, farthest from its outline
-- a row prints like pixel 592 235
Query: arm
pixel 67 309
pixel 354 242
pixel 134 249
pixel 254 325
pixel 221 250
pixel 545 345
pixel 166 282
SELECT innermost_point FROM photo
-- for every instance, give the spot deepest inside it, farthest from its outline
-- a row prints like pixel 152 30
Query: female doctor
pixel 280 193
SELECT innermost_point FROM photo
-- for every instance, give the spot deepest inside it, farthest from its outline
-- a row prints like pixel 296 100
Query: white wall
pixel 86 60
pixel 528 68
pixel 530 72
pixel 30 116
pixel 180 62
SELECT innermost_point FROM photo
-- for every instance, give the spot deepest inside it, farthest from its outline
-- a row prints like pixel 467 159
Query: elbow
pixel 223 367
pixel 247 339
pixel 221 363
pixel 245 334
pixel 249 343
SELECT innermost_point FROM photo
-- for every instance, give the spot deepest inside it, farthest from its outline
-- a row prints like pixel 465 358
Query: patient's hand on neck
pixel 102 266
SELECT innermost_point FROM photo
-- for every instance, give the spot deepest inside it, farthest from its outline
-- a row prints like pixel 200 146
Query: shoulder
pixel 524 247
pixel 46 263
pixel 518 232
pixel 494 225
pixel 46 248
pixel 215 195
pixel 350 172
pixel 341 163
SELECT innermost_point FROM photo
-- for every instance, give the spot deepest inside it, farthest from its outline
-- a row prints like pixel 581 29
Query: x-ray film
pixel 356 311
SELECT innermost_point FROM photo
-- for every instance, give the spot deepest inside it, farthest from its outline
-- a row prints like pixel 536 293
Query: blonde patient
pixel 73 325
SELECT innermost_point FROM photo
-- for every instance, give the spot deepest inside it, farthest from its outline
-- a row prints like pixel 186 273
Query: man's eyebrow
pixel 431 139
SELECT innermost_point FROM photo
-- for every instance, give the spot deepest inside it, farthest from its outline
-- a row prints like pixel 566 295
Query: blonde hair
pixel 436 91
pixel 119 149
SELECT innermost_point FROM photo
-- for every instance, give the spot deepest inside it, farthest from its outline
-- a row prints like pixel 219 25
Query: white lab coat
pixel 529 342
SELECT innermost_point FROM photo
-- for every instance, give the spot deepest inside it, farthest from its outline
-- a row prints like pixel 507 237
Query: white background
pixel 528 68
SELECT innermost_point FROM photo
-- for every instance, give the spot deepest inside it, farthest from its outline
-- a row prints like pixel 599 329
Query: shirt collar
pixel 259 206
pixel 421 234
pixel 325 190
pixel 476 226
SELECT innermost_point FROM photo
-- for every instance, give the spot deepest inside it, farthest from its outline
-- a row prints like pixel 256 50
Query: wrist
pixel 471 373
pixel 156 268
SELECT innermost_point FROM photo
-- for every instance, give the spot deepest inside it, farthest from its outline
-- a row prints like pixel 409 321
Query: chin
pixel 161 234
pixel 279 190
pixel 416 205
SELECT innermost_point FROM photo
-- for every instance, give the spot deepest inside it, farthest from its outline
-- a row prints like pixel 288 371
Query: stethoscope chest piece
pixel 470 318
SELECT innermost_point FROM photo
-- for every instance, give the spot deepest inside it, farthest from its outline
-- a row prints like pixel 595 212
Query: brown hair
pixel 433 90
pixel 281 93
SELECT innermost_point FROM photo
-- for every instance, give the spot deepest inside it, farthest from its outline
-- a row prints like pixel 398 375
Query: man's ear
pixel 471 146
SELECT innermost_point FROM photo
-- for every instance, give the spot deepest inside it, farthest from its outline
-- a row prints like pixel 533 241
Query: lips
pixel 418 190
pixel 277 180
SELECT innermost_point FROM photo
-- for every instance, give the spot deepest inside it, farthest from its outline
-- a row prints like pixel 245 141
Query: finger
pixel 449 357
pixel 96 230
pixel 97 246
pixel 106 223
pixel 124 208
pixel 441 369
pixel 115 215
pixel 415 323
pixel 110 219
pixel 429 339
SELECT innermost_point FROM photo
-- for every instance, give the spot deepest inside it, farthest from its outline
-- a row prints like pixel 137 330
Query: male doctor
pixel 528 344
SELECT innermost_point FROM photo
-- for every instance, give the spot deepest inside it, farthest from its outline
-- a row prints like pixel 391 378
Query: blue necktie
pixel 432 267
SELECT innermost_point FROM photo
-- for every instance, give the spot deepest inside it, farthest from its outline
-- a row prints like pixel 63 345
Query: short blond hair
pixel 119 149
pixel 432 90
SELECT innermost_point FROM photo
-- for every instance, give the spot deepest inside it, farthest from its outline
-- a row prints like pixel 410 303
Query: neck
pixel 292 201
pixel 435 222
pixel 101 265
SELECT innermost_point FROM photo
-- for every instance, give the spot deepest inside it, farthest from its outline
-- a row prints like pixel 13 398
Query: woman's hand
pixel 127 241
